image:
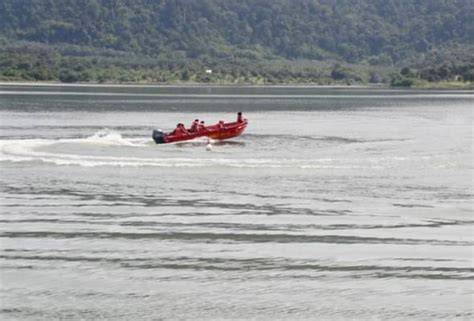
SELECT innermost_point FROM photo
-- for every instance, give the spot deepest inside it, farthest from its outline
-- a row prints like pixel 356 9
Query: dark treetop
pixel 245 38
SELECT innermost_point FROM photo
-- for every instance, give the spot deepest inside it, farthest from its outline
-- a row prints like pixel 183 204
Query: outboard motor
pixel 158 136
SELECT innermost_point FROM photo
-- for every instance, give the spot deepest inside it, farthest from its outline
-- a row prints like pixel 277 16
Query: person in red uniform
pixel 194 126
pixel 201 126
pixel 239 117
pixel 183 129
pixel 179 130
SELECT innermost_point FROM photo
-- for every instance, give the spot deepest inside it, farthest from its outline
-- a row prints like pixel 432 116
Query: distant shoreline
pixel 434 86
pixel 60 84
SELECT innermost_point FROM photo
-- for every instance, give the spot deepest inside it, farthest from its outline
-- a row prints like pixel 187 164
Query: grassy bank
pixel 444 85
pixel 423 84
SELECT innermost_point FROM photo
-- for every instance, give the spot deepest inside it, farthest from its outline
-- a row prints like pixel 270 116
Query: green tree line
pixel 244 40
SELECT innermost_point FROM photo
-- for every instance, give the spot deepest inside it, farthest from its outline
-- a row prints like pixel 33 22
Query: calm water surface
pixel 334 204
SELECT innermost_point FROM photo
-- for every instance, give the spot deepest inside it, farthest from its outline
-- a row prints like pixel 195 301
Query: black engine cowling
pixel 158 136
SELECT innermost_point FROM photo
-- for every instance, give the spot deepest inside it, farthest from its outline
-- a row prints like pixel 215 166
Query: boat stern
pixel 159 137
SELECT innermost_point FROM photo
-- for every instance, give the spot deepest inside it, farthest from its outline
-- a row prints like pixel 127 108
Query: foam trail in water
pixel 24 154
pixel 105 137
pixel 36 150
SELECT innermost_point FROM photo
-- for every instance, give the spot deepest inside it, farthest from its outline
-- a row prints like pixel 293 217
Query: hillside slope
pixel 245 32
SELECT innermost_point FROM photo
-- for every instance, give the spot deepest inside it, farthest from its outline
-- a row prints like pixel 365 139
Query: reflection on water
pixel 340 203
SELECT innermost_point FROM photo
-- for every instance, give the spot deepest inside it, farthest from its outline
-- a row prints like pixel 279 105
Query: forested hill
pixel 375 32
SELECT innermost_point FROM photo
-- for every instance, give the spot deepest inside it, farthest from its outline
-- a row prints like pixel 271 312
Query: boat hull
pixel 218 132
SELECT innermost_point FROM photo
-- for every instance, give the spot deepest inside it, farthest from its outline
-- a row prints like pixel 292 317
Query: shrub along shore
pixel 34 64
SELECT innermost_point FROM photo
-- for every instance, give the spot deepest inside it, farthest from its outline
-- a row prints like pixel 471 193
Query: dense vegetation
pixel 256 41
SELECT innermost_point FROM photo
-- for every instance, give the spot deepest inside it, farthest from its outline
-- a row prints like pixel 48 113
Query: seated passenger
pixel 201 126
pixel 179 130
pixel 221 124
pixel 194 126
pixel 182 129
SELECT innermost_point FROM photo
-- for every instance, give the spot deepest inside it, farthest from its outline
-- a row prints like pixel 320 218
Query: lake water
pixel 335 203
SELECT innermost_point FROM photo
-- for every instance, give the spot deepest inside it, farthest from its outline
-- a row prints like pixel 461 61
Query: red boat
pixel 218 131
